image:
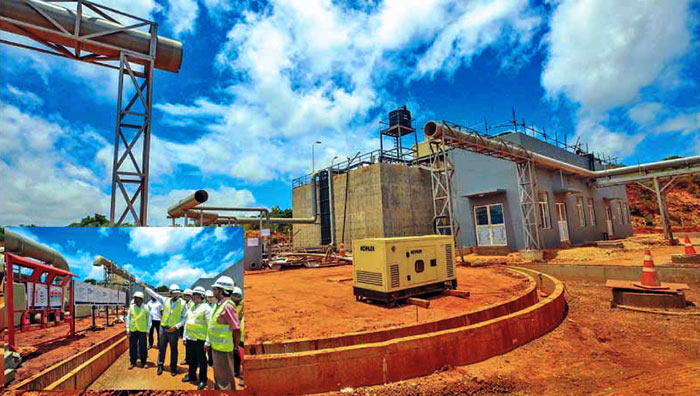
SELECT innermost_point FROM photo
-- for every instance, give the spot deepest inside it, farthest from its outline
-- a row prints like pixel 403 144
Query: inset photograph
pixel 157 308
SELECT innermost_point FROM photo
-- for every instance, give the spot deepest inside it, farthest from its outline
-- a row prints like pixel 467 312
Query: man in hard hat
pixel 155 308
pixel 138 322
pixel 172 320
pixel 223 329
pixel 237 298
pixel 195 335
pixel 187 296
pixel 210 298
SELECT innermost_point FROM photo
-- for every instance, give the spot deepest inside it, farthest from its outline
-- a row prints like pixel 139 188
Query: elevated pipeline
pixel 17 244
pixel 435 130
pixel 113 268
pixel 32 18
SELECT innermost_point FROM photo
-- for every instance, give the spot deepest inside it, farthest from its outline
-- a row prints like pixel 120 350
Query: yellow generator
pixel 392 269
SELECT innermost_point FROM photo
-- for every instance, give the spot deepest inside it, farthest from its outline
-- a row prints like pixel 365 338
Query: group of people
pixel 210 323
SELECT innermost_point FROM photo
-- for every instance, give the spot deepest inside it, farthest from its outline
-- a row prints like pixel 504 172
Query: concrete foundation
pixel 383 200
pixel 685 258
pixel 648 299
pixel 405 357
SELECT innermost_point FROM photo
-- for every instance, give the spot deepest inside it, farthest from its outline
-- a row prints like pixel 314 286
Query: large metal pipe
pixel 178 210
pixel 202 217
pixel 100 261
pixel 192 200
pixel 17 244
pixel 434 130
pixel 168 52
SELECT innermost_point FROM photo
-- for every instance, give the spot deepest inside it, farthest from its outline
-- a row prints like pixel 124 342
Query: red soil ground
pixel 319 302
pixel 596 350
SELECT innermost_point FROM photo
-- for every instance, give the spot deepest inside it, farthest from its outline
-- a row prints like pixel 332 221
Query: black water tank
pixel 400 116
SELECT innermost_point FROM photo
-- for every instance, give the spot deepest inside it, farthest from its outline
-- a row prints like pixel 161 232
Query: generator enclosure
pixel 392 269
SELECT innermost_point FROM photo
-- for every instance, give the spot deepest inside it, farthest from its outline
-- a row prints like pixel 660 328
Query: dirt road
pixel 597 350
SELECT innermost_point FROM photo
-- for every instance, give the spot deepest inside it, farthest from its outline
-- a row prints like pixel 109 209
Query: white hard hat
pixel 199 290
pixel 209 293
pixel 187 292
pixel 224 282
pixel 237 290
pixel 138 295
pixel 174 288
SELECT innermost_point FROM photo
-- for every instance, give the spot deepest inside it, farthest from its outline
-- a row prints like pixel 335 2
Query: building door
pixel 561 221
pixel 608 218
pixel 490 225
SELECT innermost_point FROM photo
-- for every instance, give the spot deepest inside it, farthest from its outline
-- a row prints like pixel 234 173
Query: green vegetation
pixel 92 221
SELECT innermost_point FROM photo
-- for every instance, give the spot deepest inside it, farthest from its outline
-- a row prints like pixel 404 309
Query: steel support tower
pixel 85 31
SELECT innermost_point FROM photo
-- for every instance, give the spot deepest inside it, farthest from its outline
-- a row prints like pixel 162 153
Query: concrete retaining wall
pixel 43 379
pixel 403 358
pixel 82 376
pixel 526 299
pixel 602 273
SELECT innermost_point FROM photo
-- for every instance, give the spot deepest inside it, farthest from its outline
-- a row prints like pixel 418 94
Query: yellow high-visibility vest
pixel 139 319
pixel 169 318
pixel 220 335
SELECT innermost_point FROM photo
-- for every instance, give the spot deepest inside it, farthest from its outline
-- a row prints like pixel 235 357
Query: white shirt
pixel 207 314
pixel 155 308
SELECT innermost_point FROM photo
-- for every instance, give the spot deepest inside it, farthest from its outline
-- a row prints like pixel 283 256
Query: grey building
pixel 570 210
pixel 235 271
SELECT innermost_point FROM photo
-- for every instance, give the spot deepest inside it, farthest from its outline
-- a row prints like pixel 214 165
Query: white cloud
pixel 178 270
pixel 481 24
pixel 612 143
pixel 181 16
pixel 300 71
pixel 685 123
pixel 146 241
pixel 42 183
pixel 646 112
pixel 602 53
pixel 28 99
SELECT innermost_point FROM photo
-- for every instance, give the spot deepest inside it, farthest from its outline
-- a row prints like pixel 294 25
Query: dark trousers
pixel 164 339
pixel 154 328
pixel 210 358
pixel 196 358
pixel 237 360
pixel 137 346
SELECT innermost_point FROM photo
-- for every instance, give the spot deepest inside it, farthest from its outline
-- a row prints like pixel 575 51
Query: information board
pixel 87 294
pixel 37 295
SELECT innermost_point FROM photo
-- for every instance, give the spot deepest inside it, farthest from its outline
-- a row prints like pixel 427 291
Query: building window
pixel 619 212
pixel 545 220
pixel 591 212
pixel 490 225
pixel 581 212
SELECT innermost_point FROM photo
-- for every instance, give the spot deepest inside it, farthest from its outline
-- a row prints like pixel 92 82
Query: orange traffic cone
pixel 341 250
pixel 689 249
pixel 650 279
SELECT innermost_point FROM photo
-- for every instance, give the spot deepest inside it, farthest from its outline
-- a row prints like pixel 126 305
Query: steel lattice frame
pixel 527 192
pixel 124 173
pixel 442 171
pixel 441 174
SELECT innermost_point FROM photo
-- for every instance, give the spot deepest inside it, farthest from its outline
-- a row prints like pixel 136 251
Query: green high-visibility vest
pixel 196 325
pixel 220 335
pixel 189 305
pixel 169 318
pixel 139 319
pixel 242 320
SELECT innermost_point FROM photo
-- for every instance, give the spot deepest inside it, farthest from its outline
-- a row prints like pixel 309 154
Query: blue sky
pixel 158 255
pixel 261 81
